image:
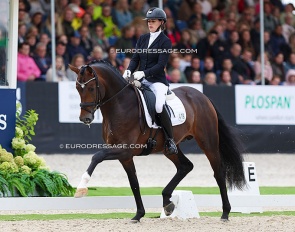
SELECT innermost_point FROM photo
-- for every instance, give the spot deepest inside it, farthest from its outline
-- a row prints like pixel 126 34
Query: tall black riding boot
pixel 170 146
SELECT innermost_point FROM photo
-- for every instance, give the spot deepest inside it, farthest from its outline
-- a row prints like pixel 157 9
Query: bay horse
pixel 100 85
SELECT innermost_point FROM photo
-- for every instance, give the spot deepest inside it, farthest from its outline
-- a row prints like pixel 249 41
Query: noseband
pixel 97 103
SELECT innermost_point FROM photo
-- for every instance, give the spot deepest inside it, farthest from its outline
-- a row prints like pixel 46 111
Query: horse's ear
pixel 74 69
pixel 89 69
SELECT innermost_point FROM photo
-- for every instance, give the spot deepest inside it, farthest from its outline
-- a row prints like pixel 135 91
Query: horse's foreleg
pixel 184 166
pixel 129 167
pixel 98 157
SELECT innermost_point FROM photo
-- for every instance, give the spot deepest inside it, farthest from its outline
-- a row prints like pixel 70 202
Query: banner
pixel 7 117
pixel 69 104
pixel 265 105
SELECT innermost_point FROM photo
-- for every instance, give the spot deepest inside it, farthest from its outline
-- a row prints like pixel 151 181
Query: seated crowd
pixel 220 39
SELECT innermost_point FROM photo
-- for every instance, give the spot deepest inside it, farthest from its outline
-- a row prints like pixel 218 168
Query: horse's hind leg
pixel 129 167
pixel 184 166
pixel 219 175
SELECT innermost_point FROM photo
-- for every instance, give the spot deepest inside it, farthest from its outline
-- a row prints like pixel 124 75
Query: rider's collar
pixel 155 34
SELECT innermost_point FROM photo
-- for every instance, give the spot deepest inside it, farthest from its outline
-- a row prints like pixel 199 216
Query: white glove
pixel 138 75
pixel 127 74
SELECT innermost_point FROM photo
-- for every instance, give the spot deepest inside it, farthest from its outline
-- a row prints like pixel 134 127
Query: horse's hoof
pixel 168 209
pixel 81 192
pixel 224 220
pixel 133 221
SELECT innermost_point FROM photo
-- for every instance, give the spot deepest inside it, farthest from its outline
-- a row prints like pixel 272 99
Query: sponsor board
pixel 265 105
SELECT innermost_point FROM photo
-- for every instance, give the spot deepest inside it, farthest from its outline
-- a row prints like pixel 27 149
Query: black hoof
pixel 224 217
pixel 168 209
pixel 133 221
pixel 224 220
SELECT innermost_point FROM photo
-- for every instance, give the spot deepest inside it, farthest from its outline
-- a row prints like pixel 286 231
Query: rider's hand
pixel 138 75
pixel 127 74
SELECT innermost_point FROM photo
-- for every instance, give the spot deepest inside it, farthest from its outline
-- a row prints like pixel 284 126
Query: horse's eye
pixel 91 89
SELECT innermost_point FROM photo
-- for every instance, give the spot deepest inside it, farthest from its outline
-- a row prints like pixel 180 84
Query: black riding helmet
pixel 156 13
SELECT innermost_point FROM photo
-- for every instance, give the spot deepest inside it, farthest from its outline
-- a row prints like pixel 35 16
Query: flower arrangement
pixel 24 173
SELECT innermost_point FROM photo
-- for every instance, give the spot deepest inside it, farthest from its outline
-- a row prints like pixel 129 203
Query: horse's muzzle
pixel 86 120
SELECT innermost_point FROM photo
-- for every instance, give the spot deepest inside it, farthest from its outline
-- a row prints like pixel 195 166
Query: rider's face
pixel 153 24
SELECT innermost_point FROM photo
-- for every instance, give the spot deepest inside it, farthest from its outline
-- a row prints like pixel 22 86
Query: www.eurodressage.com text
pixel 99 146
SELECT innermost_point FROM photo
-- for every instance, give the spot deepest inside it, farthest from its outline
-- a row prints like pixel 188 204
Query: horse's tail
pixel 230 148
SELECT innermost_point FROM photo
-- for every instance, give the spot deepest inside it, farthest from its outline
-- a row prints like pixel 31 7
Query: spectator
pixel 185 41
pixel 186 10
pixel 276 80
pixel 122 16
pixel 86 41
pixel 126 40
pixel 195 66
pixel 196 30
pixel 136 8
pixel 87 22
pixel 60 71
pixel 292 43
pixel 110 28
pixel 31 39
pixel 22 30
pixel 290 77
pixel 243 65
pixel 277 40
pixel 185 61
pixel 215 17
pixel 197 14
pixel 74 46
pixel 175 64
pixel 268 73
pixel 36 20
pixel 175 76
pixel 208 45
pixel 195 78
pixel 47 41
pixel 59 30
pixel 77 61
pixel 290 64
pixel 210 79
pixel 245 41
pixel 112 57
pixel 225 78
pixel 99 38
pixel 96 9
pixel 227 65
pixel 61 51
pixel 41 59
pixel 230 27
pixel 255 35
pixel 96 53
pixel 208 67
pixel 125 64
pixel 278 65
pixel 27 70
pixel 288 27
pixel 288 10
pixel 233 39
pixel 68 17
pixel 269 20
pixel 206 6
pixel 171 32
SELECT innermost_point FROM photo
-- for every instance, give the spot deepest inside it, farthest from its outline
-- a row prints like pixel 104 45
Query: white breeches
pixel 160 90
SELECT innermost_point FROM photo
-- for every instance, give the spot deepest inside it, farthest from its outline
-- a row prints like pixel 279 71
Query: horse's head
pixel 90 91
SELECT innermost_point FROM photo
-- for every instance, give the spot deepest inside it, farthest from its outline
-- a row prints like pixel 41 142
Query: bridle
pixel 97 103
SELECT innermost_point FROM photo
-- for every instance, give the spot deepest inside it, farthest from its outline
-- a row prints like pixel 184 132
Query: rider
pixel 151 64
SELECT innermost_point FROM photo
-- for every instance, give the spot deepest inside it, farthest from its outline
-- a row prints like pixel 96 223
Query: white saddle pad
pixel 178 116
